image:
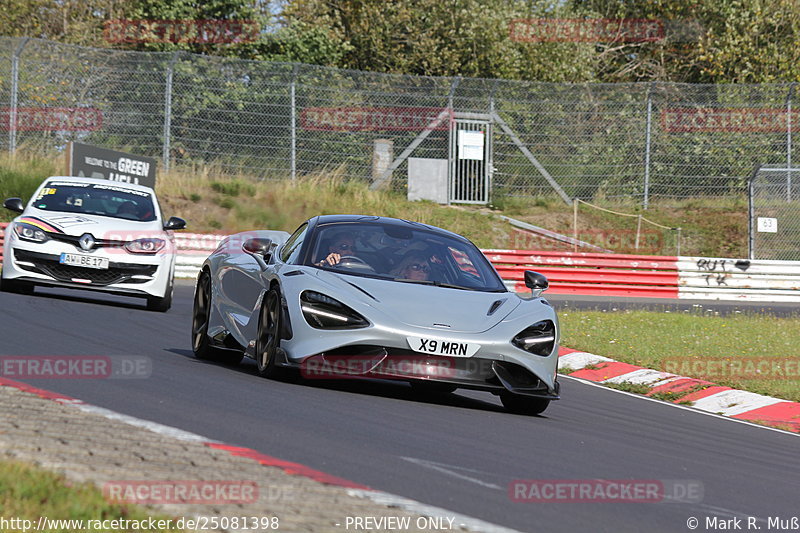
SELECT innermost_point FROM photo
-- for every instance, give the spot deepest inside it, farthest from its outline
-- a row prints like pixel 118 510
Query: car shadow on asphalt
pixel 123 302
pixel 399 390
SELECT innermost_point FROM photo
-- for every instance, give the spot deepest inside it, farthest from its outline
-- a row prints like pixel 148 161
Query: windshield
pixel 404 254
pixel 96 199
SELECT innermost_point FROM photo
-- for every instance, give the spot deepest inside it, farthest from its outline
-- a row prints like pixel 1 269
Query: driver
pixel 342 245
pixel 128 208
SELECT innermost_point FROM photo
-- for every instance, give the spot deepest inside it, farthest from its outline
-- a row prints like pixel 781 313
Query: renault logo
pixel 86 241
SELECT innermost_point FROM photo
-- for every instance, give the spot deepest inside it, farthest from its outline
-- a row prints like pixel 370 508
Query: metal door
pixel 470 159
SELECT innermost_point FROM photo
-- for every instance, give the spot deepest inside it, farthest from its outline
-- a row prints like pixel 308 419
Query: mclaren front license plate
pixel 87 261
pixel 443 347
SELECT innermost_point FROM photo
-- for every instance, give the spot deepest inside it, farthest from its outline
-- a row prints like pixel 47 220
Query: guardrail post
pixel 638 230
pixel 12 110
pixel 168 111
pixel 575 224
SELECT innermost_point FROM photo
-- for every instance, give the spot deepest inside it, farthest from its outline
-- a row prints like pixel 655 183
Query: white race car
pixel 94 234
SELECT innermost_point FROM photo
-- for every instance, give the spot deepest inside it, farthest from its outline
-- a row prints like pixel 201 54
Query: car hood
pixel 427 306
pixel 100 227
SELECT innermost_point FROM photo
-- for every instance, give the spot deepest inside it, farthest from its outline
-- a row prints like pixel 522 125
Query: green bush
pixel 21 178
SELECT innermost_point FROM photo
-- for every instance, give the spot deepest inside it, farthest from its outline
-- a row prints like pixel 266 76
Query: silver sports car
pixel 351 296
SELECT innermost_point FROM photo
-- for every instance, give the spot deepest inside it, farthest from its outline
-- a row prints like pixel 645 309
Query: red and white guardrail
pixel 702 278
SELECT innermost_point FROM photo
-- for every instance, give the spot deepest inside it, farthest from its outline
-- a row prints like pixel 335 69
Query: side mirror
pixel 261 247
pixel 175 223
pixel 14 204
pixel 536 282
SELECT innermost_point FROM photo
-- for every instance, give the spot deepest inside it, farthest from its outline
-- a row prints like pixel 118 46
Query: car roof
pixel 397 222
pixel 121 184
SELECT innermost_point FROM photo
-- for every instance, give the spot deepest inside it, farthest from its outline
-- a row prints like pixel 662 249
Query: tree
pixel 746 41
pixel 467 38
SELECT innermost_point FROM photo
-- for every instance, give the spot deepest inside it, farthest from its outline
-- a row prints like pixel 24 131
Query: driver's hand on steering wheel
pixel 332 259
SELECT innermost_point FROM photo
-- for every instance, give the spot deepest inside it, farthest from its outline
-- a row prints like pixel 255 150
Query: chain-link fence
pixel 276 120
pixel 775 213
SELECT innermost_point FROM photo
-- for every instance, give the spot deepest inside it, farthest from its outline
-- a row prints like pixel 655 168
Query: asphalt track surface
pixel 458 451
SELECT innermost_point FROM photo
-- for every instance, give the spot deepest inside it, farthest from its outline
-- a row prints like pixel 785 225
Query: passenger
pixel 413 266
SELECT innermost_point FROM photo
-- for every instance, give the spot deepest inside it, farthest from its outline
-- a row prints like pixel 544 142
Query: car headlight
pixel 538 339
pixel 145 246
pixel 324 312
pixel 29 232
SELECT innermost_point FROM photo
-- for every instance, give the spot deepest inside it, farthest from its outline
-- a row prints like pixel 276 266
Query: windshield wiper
pixel 436 284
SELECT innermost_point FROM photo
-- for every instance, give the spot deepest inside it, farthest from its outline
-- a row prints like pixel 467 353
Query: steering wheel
pixel 352 261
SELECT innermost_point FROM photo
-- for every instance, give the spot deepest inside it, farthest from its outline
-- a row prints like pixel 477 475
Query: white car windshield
pixel 405 254
pixel 96 199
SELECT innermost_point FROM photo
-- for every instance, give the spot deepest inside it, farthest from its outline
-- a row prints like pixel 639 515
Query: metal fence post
pixel 12 110
pixel 646 200
pixel 168 111
pixel 751 243
pixel 292 96
pixel 789 142
pixel 451 139
pixel 492 112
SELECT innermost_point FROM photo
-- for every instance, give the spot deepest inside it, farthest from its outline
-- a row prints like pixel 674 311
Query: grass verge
pixel 213 200
pixel 28 493
pixel 753 352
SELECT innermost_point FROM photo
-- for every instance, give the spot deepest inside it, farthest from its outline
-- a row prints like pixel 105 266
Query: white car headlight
pixel 29 232
pixel 538 339
pixel 145 246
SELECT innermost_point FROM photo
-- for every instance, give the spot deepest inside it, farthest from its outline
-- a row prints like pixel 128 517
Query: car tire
pixel 201 312
pixel 268 337
pixel 161 304
pixel 432 387
pixel 523 405
pixel 16 287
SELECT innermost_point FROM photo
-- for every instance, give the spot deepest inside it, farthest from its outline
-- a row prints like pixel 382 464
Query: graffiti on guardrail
pixel 718 271
pixel 722 265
